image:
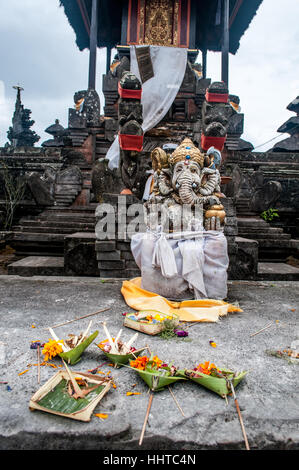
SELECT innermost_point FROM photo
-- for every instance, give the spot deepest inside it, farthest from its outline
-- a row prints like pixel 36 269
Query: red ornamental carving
pixel 216 97
pixel 208 141
pixel 131 94
pixel 131 142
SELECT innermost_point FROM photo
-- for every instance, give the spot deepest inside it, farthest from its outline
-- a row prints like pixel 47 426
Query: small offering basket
pixel 150 322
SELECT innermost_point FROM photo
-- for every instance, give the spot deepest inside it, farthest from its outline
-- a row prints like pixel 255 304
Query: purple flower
pixel 181 333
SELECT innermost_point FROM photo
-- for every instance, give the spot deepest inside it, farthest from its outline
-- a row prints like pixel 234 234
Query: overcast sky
pixel 38 51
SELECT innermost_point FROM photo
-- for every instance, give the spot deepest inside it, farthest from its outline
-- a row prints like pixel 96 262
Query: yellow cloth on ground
pixel 204 310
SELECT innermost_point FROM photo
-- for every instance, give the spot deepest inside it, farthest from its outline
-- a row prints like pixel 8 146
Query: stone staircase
pixel 57 242
pixel 44 235
pixel 273 242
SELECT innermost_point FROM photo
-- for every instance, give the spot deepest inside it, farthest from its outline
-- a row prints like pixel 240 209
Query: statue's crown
pixel 187 152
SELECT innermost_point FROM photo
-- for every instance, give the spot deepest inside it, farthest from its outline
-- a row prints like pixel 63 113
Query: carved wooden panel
pixel 159 22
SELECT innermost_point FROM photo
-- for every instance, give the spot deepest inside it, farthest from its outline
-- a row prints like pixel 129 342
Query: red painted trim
pixel 133 94
pixel 187 24
pixel 216 97
pixel 130 142
pixel 144 21
pixel 137 23
pixel 208 141
pixel 84 15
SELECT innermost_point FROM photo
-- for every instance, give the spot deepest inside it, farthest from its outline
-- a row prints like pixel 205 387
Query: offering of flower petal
pixel 70 349
pixel 155 373
pixel 214 378
pixel 116 350
pixel 150 322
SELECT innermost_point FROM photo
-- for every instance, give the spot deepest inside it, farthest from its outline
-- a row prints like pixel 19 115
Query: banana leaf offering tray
pixel 72 348
pixel 150 322
pixel 155 373
pixel 73 396
pixel 118 351
pixel 218 380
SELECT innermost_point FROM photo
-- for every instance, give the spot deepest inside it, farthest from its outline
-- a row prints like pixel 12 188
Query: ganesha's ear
pixel 159 159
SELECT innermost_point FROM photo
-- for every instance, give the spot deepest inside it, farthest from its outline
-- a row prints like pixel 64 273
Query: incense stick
pixel 175 400
pixel 259 331
pixel 240 416
pixel 110 340
pixel 84 334
pixel 79 318
pixel 146 417
pixel 65 348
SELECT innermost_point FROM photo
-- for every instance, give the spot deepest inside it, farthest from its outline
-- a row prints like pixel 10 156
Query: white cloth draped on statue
pixel 159 92
pixel 172 264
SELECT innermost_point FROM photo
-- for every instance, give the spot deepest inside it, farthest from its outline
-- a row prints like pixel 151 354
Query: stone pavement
pixel 267 396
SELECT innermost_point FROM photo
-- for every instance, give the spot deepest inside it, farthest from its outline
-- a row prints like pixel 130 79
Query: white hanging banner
pixel 159 92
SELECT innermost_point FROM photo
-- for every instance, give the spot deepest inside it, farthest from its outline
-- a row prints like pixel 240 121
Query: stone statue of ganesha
pixel 183 253
pixel 185 189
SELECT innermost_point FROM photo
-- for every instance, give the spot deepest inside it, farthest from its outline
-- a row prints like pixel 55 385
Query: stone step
pixel 264 230
pixel 78 211
pixel 37 237
pixel 260 229
pixel 38 243
pixel 75 226
pixel 251 221
pixel 52 229
pixel 263 235
pixel 68 216
pixel 37 266
pixel 271 243
pixel 277 272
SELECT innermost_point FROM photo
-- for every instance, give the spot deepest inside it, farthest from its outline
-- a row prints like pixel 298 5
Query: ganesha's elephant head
pixel 186 180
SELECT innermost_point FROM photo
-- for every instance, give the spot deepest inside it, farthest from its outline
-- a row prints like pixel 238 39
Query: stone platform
pixel 56 266
pixel 37 266
pixel 277 272
pixel 267 396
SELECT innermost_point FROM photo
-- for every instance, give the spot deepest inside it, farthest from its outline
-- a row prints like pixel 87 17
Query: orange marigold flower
pixel 206 368
pixel 139 363
pixel 157 362
pixel 52 348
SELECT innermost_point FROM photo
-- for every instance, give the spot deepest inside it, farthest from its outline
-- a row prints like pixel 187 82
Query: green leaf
pixel 215 384
pixel 74 355
pixel 59 400
pixel 122 359
pixel 155 381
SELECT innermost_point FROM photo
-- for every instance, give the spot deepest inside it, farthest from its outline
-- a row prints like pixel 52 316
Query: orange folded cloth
pixel 203 310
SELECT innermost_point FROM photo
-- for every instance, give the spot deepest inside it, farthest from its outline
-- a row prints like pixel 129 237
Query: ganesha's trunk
pixel 186 193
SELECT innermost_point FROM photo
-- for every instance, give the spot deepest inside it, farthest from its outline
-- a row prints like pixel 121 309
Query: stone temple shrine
pixel 161 115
